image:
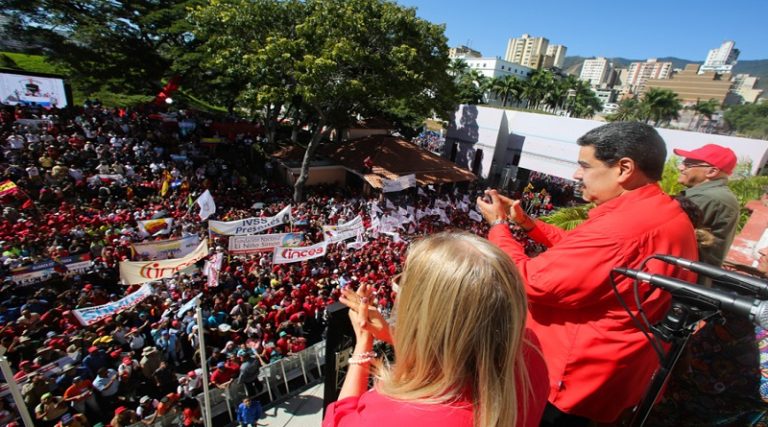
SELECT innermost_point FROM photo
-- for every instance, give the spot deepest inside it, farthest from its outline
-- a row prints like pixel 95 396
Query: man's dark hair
pixel 637 141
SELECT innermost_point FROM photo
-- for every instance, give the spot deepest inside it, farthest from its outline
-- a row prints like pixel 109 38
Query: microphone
pixel 746 283
pixel 755 309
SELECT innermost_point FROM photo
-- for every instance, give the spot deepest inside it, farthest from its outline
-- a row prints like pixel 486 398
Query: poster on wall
pixel 20 89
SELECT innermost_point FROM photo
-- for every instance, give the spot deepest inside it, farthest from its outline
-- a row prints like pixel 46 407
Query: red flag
pixel 8 187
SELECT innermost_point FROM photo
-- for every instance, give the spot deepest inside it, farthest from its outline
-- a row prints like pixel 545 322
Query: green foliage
pixel 669 176
pixel 662 106
pixel 118 45
pixel 749 120
pixel 568 218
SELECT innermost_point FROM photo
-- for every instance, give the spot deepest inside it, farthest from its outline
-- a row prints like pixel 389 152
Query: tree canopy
pixel 327 61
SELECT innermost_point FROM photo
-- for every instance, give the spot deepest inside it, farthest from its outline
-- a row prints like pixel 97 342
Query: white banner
pixel 212 269
pixel 475 216
pixel 188 306
pixel 239 245
pixel 155 227
pixel 288 255
pixel 103 177
pixel 333 236
pixel 249 225
pixel 90 315
pixel 399 184
pixel 40 272
pixel 135 272
pixel 207 205
pixel 165 249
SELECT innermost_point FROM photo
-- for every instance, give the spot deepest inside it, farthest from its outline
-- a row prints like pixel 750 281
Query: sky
pixel 686 29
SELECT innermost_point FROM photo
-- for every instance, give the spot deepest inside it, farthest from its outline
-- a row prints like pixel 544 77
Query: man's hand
pixel 503 208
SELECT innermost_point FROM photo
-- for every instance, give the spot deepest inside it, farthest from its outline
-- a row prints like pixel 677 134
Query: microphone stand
pixel 676 328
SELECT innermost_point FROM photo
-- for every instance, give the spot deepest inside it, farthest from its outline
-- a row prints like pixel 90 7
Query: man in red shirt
pixel 600 363
pixel 221 376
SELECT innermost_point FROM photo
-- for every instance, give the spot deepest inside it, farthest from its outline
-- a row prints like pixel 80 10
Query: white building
pixel 497 67
pixel 493 143
pixel 557 52
pixel 596 71
pixel 721 60
pixel 640 72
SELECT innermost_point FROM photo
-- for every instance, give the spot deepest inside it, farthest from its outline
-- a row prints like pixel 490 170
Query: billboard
pixel 27 89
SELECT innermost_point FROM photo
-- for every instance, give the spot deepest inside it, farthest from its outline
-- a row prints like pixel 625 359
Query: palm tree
pixel 539 83
pixel 568 218
pixel 555 98
pixel 705 109
pixel 663 106
pixel 506 86
pixel 630 110
pixel 457 68
pixel 582 101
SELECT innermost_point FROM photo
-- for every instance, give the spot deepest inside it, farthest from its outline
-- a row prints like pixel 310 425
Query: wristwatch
pixel 498 221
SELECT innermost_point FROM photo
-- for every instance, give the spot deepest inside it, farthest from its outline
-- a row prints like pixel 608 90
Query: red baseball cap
pixel 718 156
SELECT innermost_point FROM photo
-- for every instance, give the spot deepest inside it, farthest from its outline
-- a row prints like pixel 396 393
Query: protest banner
pixel 249 225
pixel 155 227
pixel 165 249
pixel 284 255
pixel 241 245
pixel 39 272
pixel 399 184
pixel 136 272
pixel 104 178
pixel 90 315
pixel 475 216
pixel 212 268
pixel 341 232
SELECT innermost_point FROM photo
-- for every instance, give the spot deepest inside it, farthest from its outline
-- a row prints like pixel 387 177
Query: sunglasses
pixel 690 163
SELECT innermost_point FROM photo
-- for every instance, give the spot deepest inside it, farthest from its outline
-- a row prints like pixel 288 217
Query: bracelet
pixel 497 221
pixel 362 358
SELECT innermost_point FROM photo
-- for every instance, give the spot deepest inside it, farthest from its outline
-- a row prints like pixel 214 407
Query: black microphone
pixel 746 283
pixel 755 309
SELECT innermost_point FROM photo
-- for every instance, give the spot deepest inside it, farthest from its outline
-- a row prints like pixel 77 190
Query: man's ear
pixel 712 172
pixel 627 169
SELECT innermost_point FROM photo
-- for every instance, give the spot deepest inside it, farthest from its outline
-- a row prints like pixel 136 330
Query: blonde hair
pixel 460 329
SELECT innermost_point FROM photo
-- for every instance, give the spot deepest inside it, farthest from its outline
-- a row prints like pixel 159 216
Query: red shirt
pixel 599 362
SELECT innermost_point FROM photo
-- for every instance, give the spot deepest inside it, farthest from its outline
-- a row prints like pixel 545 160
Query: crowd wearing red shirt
pixel 83 178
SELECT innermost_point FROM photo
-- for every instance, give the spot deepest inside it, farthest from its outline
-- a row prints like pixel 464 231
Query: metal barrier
pixel 284 370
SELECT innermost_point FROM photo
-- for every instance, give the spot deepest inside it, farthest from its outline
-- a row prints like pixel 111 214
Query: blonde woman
pixel 462 354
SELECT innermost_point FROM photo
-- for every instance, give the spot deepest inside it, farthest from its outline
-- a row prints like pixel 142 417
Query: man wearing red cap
pixel 705 172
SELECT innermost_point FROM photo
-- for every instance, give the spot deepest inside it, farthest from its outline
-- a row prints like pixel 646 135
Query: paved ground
pixel 302 410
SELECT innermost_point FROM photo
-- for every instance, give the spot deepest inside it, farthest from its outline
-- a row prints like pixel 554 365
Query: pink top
pixel 373 409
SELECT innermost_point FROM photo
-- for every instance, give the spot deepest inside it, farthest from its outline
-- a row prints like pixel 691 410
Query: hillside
pixel 757 68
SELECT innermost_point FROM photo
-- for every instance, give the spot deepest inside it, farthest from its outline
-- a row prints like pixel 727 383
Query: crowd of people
pixel 76 184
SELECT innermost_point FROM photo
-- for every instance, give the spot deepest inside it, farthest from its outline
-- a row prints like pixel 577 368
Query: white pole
pixel 204 366
pixel 20 405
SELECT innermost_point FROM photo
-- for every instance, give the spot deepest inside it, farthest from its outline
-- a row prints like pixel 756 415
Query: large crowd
pixel 76 183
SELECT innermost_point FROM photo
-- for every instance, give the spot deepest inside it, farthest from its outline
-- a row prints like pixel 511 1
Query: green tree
pixel 749 120
pixel 330 59
pixel 662 106
pixel 630 110
pixel 535 89
pixel 703 109
pixel 506 87
pixel 119 45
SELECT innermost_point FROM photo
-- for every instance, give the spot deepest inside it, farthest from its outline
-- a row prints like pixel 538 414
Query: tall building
pixel 463 52
pixel 557 52
pixel 722 59
pixel 691 86
pixel 745 86
pixel 596 71
pixel 526 50
pixel 640 72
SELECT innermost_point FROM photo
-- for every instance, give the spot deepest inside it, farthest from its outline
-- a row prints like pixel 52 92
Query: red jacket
pixel 599 362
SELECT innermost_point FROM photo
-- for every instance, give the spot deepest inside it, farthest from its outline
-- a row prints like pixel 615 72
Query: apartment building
pixel 596 71
pixel 526 50
pixel 640 72
pixel 721 59
pixel 463 52
pixel 557 53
